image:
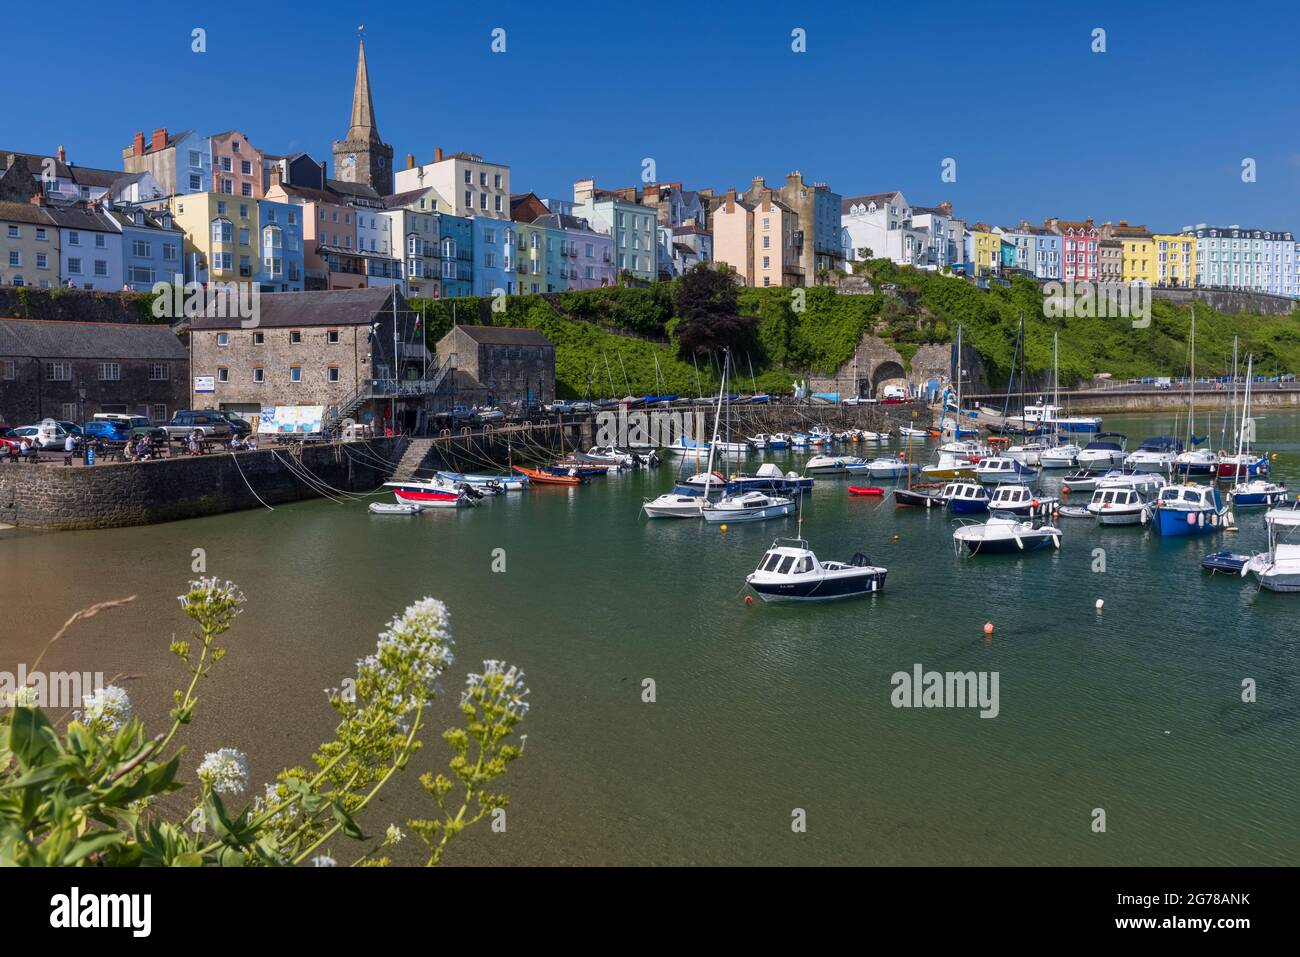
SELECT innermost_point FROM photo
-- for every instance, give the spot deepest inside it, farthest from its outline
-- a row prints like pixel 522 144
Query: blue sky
pixel 1038 124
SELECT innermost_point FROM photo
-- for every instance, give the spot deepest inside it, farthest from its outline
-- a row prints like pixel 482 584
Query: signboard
pixel 291 420
pixel 205 383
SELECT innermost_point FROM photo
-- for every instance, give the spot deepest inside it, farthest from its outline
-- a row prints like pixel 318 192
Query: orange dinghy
pixel 548 478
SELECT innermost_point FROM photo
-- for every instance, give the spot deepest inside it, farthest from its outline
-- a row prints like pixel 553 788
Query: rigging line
pixel 245 478
pixel 347 493
pixel 310 483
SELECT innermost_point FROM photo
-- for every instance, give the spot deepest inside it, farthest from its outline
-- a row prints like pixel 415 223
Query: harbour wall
pixel 1099 401
pixel 53 496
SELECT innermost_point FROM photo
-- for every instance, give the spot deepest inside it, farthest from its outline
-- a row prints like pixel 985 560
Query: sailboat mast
pixel 713 445
pixel 624 368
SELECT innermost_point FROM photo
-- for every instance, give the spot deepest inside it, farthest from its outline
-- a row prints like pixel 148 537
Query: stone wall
pixel 75 305
pixel 1222 300
pixel 934 361
pixel 111 496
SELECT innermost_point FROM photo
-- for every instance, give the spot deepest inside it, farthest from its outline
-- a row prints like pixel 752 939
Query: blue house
pixel 493 250
pixel 456 255
pixel 152 246
pixel 281 264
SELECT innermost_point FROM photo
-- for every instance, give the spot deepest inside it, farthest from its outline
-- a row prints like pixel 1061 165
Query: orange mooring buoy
pixel 749 599
pixel 988 627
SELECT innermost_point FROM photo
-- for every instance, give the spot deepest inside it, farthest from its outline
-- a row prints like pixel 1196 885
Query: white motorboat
pixel 487 480
pixel 1119 506
pixel 1003 534
pixel 1156 454
pixel 1060 457
pixel 967 448
pixel 889 468
pixel 1104 452
pixel 778 440
pixel 609 455
pixel 1197 462
pixel 672 505
pixel 1049 416
pixel 832 464
pixel 999 469
pixel 1278 569
pixel 758 442
pixel 1020 500
pixel 1082 480
pixel 907 430
pixel 1146 484
pixel 747 507
pixel 1027 453
pixel 789 571
pixel 703 480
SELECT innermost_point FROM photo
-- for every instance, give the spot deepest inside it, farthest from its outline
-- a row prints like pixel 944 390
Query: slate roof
pixel 503 335
pixel 24 213
pixel 49 339
pixel 848 202
pixel 89 218
pixel 337 307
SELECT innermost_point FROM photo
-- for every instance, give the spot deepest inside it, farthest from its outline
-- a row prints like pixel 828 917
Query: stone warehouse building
pixel 71 370
pixel 500 364
pixel 335 349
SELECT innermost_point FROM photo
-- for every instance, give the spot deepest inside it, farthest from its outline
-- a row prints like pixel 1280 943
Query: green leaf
pixel 343 817
pixel 31 738
pixel 96 841
pixel 188 859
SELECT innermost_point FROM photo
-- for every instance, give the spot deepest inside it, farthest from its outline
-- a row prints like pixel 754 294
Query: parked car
pixel 559 406
pixel 139 424
pixel 48 434
pixel 107 430
pixel 238 424
pixel 210 423
pixel 8 438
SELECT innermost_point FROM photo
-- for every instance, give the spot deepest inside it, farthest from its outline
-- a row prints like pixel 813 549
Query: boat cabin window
pixel 1192 495
pixel 770 561
pixel 785 565
pixel 805 565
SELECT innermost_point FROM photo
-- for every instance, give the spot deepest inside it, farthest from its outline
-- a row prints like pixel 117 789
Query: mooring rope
pixel 235 456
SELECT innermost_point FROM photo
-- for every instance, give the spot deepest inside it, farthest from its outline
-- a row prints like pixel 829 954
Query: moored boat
pixel 789 571
pixel 1119 506
pixel 431 494
pixel 1020 500
pixel 1278 568
pixel 1006 534
pixel 542 477
pixel 747 507
pixel 1190 510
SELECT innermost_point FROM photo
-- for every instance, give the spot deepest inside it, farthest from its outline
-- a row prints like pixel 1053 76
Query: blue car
pixel 106 430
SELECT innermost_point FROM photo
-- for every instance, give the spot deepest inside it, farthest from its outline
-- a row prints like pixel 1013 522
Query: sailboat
pixel 740 506
pixel 1059 455
pixel 1194 461
pixel 1027 452
pixel 1245 464
pixel 1251 492
pixel 685 501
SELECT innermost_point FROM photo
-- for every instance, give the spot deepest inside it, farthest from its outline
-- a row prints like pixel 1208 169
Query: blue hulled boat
pixel 1190 510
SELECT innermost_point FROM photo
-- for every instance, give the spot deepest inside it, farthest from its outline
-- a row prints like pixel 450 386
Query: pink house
pixel 1079 240
pixel 236 166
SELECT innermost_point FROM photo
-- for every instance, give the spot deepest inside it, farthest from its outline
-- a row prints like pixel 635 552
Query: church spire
pixel 363 108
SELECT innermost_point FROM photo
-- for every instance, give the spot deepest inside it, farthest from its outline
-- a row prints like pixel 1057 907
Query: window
pixel 74 266
pixel 99 240
pixel 14 232
pixel 482 200
pixel 496 180
pixel 246 167
pixel 74 238
pixel 169 251
pixel 226 166
pixel 160 372
pixel 40 233
pixel 223 374
pixel 258 374
pixel 142 275
pixel 295 374
pixel 9 368
pixel 15 258
pixel 469 199
pixel 469 177
pixel 245 189
pixel 259 338
pixel 333 374
pixel 295 336
pixel 223 339
pixel 141 249
pixel 332 337
pixel 58 371
pixel 196 182
pixel 109 372
pixel 160 413
pixel 497 202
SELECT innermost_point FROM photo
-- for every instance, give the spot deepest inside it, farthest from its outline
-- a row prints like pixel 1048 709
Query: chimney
pixel 731 201
pixel 276 174
pixel 946 206
pixel 137 145
pixel 410 161
pixel 583 190
pixel 63 157
pixel 159 139
pixel 437 154
pixel 323 177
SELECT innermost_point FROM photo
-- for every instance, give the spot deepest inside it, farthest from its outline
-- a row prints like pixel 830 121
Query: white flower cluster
pixel 25 697
pixel 513 690
pixel 106 710
pixel 210 593
pixel 270 800
pixel 225 771
pixel 415 647
pixel 323 860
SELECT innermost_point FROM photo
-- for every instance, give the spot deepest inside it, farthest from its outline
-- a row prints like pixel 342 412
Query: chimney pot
pixel 159 139
pixel 137 145
pixel 437 154
pixel 63 157
pixel 410 161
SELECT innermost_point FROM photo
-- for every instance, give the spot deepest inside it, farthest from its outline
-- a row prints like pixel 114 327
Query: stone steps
pixel 412 460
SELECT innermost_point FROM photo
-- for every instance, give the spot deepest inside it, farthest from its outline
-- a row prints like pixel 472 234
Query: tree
pixel 706 301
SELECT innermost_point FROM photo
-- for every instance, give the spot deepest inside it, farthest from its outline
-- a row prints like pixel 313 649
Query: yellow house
pixel 1137 249
pixel 1175 260
pixel 986 246
pixel 220 236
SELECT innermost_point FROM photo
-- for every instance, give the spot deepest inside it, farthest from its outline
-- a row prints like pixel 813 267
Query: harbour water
pixel 760 709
